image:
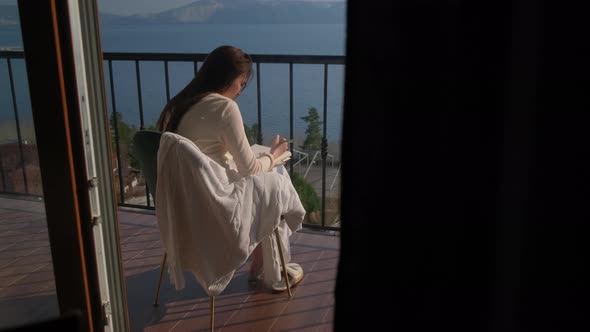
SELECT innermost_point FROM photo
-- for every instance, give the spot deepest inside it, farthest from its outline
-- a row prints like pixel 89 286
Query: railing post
pixel 291 116
pixel 140 101
pixel 18 132
pixel 115 126
pixel 167 81
pixel 258 96
pixel 324 145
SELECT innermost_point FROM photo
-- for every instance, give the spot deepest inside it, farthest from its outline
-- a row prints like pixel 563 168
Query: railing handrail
pixel 13 54
pixel 189 57
pixel 263 58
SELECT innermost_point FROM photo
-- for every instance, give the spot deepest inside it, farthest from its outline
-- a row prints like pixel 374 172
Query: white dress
pixel 216 127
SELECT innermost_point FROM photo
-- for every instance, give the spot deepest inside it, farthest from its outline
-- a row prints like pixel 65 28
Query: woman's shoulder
pixel 215 98
pixel 227 108
pixel 214 103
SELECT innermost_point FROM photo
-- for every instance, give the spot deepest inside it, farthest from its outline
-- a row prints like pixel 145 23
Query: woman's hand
pixel 279 146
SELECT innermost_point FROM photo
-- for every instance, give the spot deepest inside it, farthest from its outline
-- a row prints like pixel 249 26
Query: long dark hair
pixel 220 68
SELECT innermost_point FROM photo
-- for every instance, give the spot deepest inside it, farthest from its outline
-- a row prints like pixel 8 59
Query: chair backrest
pixel 145 148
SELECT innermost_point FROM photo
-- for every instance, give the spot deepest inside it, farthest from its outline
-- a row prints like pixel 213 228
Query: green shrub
pixel 309 198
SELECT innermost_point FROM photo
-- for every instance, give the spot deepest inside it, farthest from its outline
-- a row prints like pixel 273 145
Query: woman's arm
pixel 234 137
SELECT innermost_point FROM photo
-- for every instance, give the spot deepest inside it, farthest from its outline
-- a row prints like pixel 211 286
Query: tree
pixel 252 133
pixel 313 138
pixel 125 134
pixel 125 131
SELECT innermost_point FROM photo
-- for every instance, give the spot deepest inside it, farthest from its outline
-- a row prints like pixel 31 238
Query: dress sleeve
pixel 234 137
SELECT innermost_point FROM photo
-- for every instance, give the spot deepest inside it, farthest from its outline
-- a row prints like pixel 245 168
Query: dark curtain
pixel 466 167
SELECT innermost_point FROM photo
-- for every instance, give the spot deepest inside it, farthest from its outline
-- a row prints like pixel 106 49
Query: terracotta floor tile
pixel 305 320
pixel 11 270
pixel 198 318
pixel 5 261
pixel 33 258
pixel 9 253
pixel 27 285
pixel 307 260
pixel 329 316
pixel 25 290
pixel 153 252
pixel 32 244
pixel 315 283
pixel 140 261
pixel 144 238
pixel 326 264
pixel 129 254
pixel 136 245
pixel 39 236
pixel 257 313
pixel 11 240
pixel 9 280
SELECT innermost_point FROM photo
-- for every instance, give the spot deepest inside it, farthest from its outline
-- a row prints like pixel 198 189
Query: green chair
pixel 145 149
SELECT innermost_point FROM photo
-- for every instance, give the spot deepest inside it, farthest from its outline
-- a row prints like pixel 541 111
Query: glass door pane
pixel 27 285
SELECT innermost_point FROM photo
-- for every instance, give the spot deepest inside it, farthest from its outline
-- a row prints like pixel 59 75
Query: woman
pixel 205 112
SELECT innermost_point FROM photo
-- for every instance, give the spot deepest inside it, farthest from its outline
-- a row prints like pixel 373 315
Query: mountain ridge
pixel 225 12
pixel 241 11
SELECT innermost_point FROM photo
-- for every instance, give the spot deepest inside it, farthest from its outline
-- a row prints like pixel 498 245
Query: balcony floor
pixel 27 287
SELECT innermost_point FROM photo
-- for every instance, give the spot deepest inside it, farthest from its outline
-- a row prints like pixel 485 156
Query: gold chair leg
pixel 157 297
pixel 212 312
pixel 285 274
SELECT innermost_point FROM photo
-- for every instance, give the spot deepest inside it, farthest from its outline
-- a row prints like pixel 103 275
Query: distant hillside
pixel 242 11
pixel 224 11
pixel 8 15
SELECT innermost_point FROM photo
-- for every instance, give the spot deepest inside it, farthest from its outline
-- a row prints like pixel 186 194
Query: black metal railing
pixel 16 160
pixel 166 58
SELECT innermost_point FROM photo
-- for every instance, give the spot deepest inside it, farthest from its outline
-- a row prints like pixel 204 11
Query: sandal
pixel 295 273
